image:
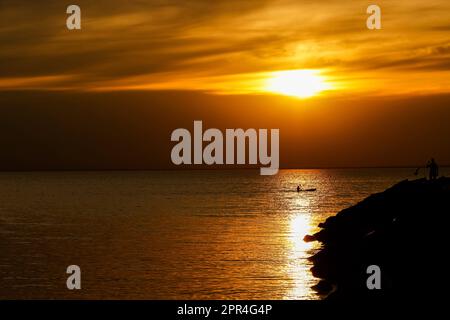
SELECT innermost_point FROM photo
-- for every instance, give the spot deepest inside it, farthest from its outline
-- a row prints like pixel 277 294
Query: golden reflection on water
pixel 227 235
pixel 298 267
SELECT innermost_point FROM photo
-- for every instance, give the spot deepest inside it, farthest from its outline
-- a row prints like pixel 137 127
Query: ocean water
pixel 170 234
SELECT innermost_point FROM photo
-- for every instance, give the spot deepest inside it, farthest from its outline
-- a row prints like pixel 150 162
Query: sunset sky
pixel 224 56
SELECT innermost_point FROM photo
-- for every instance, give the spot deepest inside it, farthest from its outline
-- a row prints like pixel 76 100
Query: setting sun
pixel 297 83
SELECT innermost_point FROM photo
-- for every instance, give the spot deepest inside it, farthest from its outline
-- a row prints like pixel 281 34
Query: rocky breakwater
pixel 402 230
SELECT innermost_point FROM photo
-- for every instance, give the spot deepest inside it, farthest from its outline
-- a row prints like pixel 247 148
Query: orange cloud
pixel 224 48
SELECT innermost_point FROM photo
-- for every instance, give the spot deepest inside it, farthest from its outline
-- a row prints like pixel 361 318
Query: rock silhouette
pixel 401 230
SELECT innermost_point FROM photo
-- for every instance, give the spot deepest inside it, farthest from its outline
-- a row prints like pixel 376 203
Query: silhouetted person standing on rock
pixel 434 169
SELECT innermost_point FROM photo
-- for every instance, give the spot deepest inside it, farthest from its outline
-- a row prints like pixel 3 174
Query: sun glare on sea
pixel 297 83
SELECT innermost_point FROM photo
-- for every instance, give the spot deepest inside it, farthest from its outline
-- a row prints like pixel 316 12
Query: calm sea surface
pixel 170 234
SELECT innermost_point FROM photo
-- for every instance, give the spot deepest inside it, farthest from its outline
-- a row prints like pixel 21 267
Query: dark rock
pixel 309 238
pixel 397 230
pixel 323 287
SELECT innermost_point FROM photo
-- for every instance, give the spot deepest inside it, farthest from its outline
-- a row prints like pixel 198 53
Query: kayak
pixel 307 190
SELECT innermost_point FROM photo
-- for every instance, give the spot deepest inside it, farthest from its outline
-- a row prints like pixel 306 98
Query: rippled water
pixel 170 234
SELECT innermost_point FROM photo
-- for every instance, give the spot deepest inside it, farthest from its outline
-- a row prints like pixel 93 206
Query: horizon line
pixel 221 169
